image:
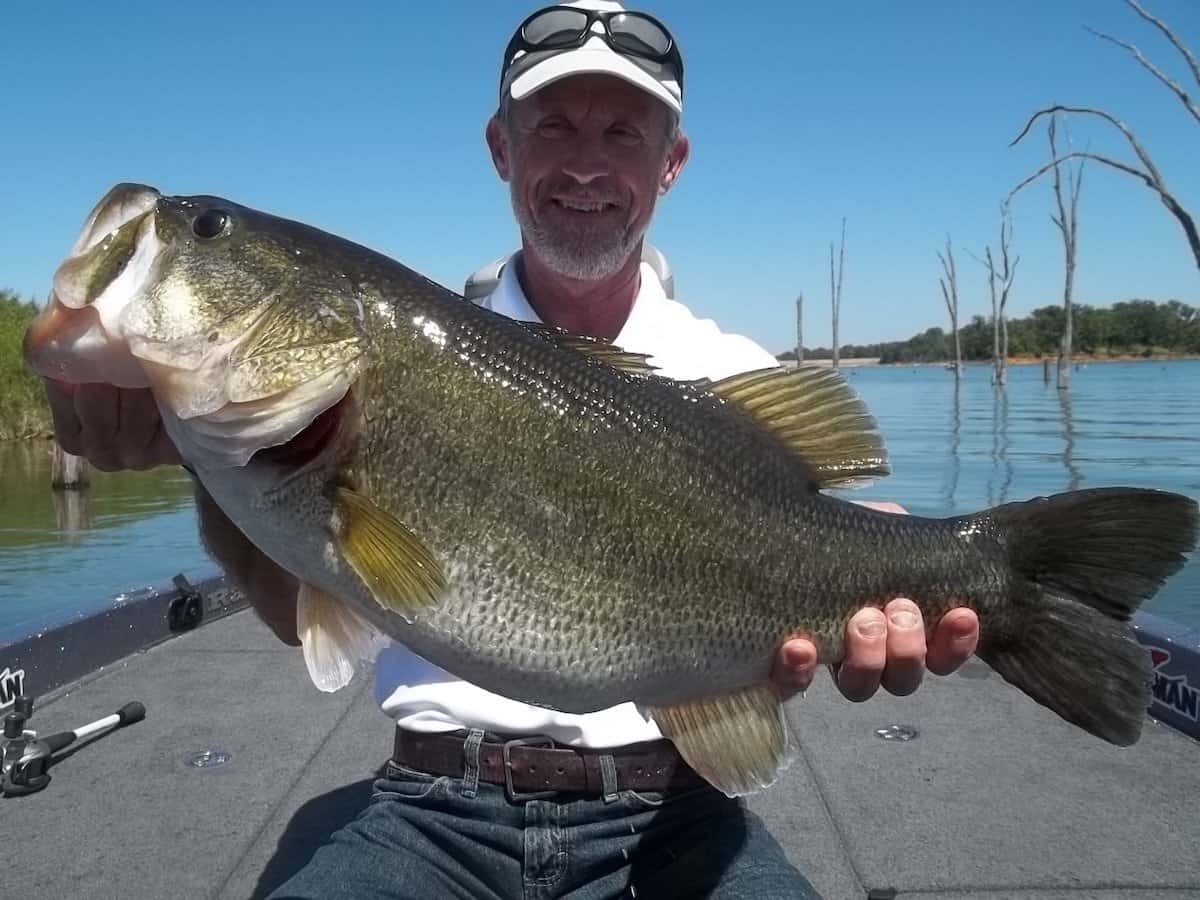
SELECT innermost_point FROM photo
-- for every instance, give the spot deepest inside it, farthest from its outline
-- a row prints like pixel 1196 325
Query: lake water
pixel 1134 423
pixel 64 553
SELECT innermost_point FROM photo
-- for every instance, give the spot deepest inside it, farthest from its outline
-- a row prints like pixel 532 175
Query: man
pixel 486 796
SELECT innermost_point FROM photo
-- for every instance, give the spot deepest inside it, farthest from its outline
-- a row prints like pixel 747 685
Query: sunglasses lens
pixel 555 28
pixel 638 34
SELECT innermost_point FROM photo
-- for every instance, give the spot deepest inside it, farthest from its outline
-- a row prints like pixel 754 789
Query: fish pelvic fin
pixel 816 413
pixel 399 571
pixel 334 638
pixel 738 742
pixel 1093 557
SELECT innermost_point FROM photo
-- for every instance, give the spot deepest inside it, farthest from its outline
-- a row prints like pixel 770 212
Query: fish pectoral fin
pixel 738 742
pixel 399 571
pixel 816 413
pixel 333 636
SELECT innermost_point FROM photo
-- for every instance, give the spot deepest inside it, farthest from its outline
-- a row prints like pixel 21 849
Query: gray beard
pixel 583 252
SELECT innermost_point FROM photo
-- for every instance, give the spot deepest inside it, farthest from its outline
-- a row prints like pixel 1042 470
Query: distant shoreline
pixel 1076 358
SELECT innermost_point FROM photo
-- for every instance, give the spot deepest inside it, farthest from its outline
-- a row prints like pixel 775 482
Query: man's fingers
pixel 113 428
pixel 98 407
pixel 137 422
pixel 883 506
pixel 67 428
pixel 141 441
pixel 861 671
pixel 905 647
pixel 794 667
pixel 954 640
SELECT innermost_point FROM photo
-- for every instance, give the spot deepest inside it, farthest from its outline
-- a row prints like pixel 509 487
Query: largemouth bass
pixel 540 514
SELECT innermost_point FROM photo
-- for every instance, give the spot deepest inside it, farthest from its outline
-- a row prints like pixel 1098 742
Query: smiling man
pixel 486 796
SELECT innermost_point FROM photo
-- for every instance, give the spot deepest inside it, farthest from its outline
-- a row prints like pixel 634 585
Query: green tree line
pixel 1131 327
pixel 23 410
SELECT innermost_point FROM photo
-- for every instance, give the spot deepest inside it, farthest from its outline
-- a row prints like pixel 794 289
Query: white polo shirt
pixel 423 697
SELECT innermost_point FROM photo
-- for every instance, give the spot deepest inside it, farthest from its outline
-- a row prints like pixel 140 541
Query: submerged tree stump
pixel 67 471
pixel 73 512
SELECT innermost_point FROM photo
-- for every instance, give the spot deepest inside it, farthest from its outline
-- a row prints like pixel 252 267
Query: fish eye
pixel 211 223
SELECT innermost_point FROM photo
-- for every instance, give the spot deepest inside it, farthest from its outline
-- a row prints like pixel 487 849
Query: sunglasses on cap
pixel 565 27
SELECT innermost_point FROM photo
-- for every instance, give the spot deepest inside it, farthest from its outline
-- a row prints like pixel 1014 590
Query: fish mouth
pixel 74 336
pixel 114 252
pixel 123 203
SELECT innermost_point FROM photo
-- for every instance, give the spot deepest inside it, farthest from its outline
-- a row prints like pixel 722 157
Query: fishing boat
pixel 241 769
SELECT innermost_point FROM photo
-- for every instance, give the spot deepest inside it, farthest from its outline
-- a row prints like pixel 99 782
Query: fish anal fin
pixel 596 348
pixel 738 742
pixel 334 638
pixel 813 411
pixel 399 571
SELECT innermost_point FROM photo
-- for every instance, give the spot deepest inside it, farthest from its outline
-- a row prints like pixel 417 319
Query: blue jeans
pixel 426 837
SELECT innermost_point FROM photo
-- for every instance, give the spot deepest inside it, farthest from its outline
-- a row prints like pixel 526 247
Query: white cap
pixel 531 72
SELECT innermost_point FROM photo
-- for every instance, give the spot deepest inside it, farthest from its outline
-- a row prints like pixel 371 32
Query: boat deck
pixel 995 798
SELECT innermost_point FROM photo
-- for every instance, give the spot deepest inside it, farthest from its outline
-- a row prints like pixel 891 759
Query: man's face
pixel 586 158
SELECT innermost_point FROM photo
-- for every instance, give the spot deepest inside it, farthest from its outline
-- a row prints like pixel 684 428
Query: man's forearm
pixel 270 589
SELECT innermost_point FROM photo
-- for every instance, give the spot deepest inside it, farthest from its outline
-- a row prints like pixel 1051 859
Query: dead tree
pixel 950 294
pixel 1067 221
pixel 1148 173
pixel 1000 281
pixel 799 329
pixel 835 288
pixel 67 471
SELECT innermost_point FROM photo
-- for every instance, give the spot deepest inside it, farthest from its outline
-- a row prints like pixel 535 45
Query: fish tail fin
pixel 1092 557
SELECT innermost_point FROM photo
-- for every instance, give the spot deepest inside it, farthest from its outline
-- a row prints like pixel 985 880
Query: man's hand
pixel 883 648
pixel 113 428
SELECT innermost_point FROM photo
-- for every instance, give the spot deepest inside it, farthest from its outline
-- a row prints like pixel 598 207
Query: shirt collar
pixel 509 299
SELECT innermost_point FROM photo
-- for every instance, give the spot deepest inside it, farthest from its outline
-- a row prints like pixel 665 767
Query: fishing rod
pixel 27 757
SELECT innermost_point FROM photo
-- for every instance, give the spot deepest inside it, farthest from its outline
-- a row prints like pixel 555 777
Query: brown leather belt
pixel 529 767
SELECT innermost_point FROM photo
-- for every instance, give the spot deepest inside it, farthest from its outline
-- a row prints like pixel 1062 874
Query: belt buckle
pixel 512 793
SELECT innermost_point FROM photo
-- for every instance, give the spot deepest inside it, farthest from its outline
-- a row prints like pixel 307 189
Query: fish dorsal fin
pixel 596 348
pixel 399 571
pixel 817 414
pixel 738 742
pixel 334 638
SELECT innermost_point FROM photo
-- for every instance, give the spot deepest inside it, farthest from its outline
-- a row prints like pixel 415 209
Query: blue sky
pixel 366 119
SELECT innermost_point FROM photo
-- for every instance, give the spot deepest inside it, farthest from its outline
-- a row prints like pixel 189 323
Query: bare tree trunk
pixel 1003 347
pixel 68 472
pixel 1000 280
pixel 835 288
pixel 799 329
pixel 950 295
pixel 997 363
pixel 1064 349
pixel 1007 274
pixel 73 511
pixel 1067 221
